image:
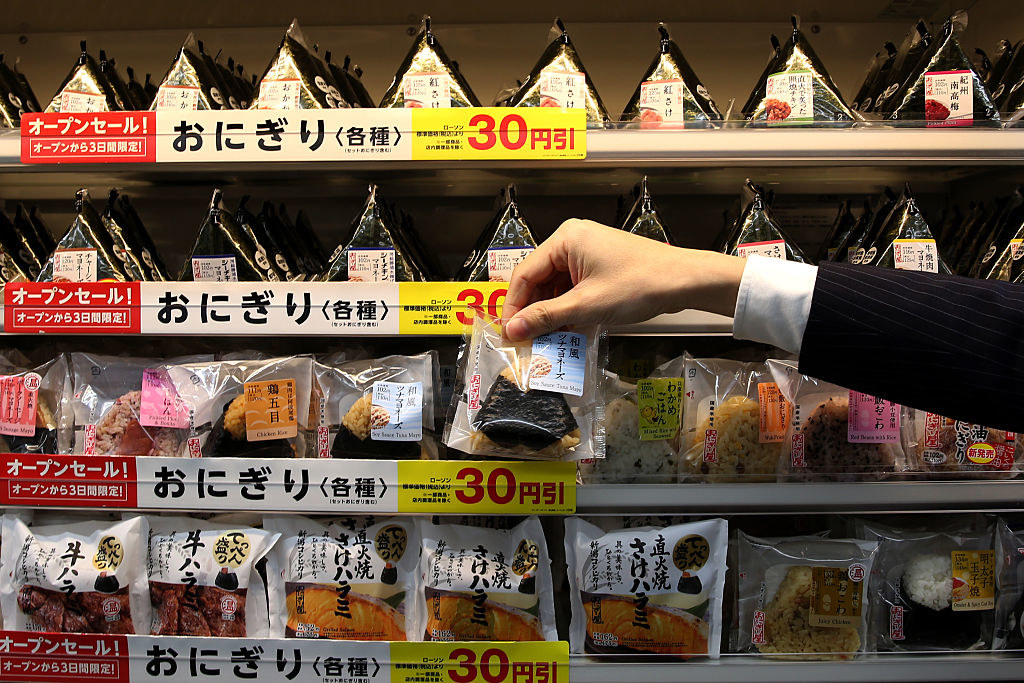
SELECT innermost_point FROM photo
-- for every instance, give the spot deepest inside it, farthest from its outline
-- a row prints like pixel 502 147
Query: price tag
pixel 444 307
pixel 498 133
pixel 480 662
pixel 88 137
pixel 79 308
pixel 68 481
pixel 525 488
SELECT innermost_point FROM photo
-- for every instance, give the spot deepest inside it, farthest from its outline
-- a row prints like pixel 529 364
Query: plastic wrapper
pixel 188 84
pixel 757 231
pixel 911 51
pixel 908 244
pixel 1002 231
pixel 502 245
pixel 644 220
pixel 945 448
pixel 131 239
pixel 12 100
pixel 84 90
pixel 1008 631
pixel 1003 57
pixel 79 577
pixel 41 245
pixel 758 92
pixel 734 422
pixel 295 78
pixel 649 590
pixel 1009 265
pixel 343 582
pixel 836 434
pixel 538 400
pixel 1012 85
pixel 225 78
pixel 880 63
pixel 838 234
pixel 427 78
pixel 670 95
pixel 799 91
pixel 355 75
pixel 86 252
pixel 343 79
pixel 871 229
pixel 203 579
pixel 478 584
pixel 303 230
pixel 261 231
pixel 804 598
pixel 20 244
pixel 375 252
pixel 136 91
pixel 109 72
pixel 223 252
pixel 274 228
pixel 36 415
pixel 559 79
pixel 378 408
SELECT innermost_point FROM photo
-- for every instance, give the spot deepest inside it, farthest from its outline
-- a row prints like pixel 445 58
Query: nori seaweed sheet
pixel 348 445
pixel 535 419
pixel 220 443
pixel 925 628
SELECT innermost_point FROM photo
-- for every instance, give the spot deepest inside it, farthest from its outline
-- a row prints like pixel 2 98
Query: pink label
pixel 872 420
pixel 18 396
pixel 161 405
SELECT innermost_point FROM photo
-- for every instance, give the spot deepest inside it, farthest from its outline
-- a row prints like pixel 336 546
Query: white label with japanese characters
pixel 919 255
pixel 949 98
pixel 427 91
pixel 661 100
pixel 789 98
pixel 279 94
pixel 179 97
pixel 74 265
pixel 371 265
pixel 563 89
pixel 559 363
pixel 214 269
pixel 770 249
pixel 396 412
pixel 501 261
pixel 82 102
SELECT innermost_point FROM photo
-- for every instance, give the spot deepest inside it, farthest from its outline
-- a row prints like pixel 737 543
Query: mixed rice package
pixel 78 577
pixel 34 407
pixel 484 584
pixel 651 590
pixel 804 598
pixel 86 252
pixel 944 448
pixel 427 78
pixel 343 581
pixel 203 579
pixel 537 400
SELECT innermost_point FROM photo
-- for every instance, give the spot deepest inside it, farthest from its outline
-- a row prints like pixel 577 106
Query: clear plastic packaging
pixel 427 78
pixel 35 416
pixel 944 448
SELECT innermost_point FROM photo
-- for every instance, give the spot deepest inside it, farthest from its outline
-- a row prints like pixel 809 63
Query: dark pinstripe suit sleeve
pixel 949 345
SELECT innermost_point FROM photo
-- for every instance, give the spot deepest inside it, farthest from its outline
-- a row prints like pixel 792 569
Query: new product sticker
pixel 214 269
pixel 770 249
pixel 427 91
pixel 776 413
pixel 658 401
pixel 661 102
pixel 949 98
pixel 270 410
pixel 974 582
pixel 559 363
pixel 562 89
pixel 396 412
pixel 872 419
pixel 919 255
pixel 177 97
pixel 501 261
pixel 789 98
pixel 836 596
pixel 371 265
pixel 75 265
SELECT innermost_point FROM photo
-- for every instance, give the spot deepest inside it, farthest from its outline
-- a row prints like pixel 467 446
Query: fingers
pixel 548 261
pixel 546 316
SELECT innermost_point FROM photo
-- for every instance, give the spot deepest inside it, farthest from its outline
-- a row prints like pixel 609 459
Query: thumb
pixel 544 316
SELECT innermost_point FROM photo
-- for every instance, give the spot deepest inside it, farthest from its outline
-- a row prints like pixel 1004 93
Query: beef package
pixel 223 252
pixel 479 584
pixel 19 240
pixel 203 579
pixel 559 79
pixel 375 252
pixel 644 220
pixel 908 243
pixel 279 251
pixel 188 84
pixel 427 78
pixel 36 415
pixel 505 242
pixel 759 233
pixel 80 577
pixel 878 69
pixel 296 79
pixel 85 89
pixel 799 90
pixel 911 51
pixel 86 252
pixel 944 89
pixel 332 580
pixel 131 238
pixel 837 235
pixel 670 95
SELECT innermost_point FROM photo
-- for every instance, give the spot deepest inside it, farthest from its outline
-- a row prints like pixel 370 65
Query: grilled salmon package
pixel 342 580
pixel 484 584
pixel 79 577
pixel 427 78
pixel 651 590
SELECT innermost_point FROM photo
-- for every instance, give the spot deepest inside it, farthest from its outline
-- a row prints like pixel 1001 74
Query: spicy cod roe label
pixel 974 582
pixel 270 411
pixel 658 401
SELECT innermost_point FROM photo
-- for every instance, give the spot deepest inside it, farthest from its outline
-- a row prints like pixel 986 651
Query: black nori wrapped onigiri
pixel 227 439
pixel 690 585
pixel 929 622
pixel 534 419
pixel 360 444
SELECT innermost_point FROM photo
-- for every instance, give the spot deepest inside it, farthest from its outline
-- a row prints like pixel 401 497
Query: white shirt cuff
pixel 774 302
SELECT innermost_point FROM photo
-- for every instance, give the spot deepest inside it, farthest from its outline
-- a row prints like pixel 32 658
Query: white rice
pixel 627 458
pixel 928 580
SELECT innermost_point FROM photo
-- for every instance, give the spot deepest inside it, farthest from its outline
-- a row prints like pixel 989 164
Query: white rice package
pixel 651 590
pixel 203 579
pixel 80 577
pixel 481 584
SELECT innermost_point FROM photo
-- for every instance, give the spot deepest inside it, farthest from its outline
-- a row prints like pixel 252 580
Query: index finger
pixel 544 263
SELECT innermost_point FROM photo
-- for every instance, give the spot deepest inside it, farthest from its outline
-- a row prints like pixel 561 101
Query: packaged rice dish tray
pixel 942 447
pixel 484 584
pixel 203 579
pixel 34 406
pixel 804 598
pixel 373 408
pixel 651 590
pixel 78 577
pixel 933 590
pixel 836 434
pixel 734 421
pixel 539 400
pixel 343 580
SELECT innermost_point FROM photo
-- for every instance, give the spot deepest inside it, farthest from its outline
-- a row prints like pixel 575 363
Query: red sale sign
pixel 88 137
pixel 27 656
pixel 68 480
pixel 72 307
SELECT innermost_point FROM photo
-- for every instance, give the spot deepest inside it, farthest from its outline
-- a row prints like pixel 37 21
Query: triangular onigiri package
pixel 295 79
pixel 759 233
pixel 109 72
pixel 21 246
pixel 427 78
pixel 501 247
pixel 86 252
pixel 85 89
pixel 189 85
pixel 757 94
pixel 223 252
pixel 838 233
pixel 131 240
pixel 644 220
pixel 909 243
pixel 257 230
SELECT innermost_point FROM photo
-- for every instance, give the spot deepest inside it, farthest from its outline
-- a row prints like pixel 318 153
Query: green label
pixel 659 400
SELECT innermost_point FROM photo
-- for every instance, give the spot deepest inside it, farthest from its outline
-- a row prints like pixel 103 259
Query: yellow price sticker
pixel 524 488
pixel 498 133
pixel 485 662
pixel 444 307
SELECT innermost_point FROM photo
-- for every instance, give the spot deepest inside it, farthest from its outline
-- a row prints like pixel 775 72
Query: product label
pixel 776 413
pixel 214 269
pixel 832 251
pixel 658 402
pixel 872 420
pixel 559 363
pixel 757 636
pixel 563 89
pixel 789 98
pixel 974 583
pixel 18 398
pixel 160 405
pixel 484 488
pixel 371 265
pixel 869 256
pixel 1016 249
pixel 661 101
pixel 919 255
pixel 323 442
pixel 427 91
pixel 796 452
pixel 770 249
pixel 949 98
pixel 179 97
pixel 855 255
pixel 75 265
pixel 932 430
pixel 711 445
pixel 270 411
pixel 397 411
pixel 836 596
pixel 501 261
pixel 82 102
pixel 279 94
pixel 537 662
pixel 896 622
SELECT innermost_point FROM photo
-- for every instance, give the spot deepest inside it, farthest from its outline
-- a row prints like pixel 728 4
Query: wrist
pixel 713 283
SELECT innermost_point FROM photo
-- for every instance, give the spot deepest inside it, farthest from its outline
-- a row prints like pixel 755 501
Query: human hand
pixel 588 273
